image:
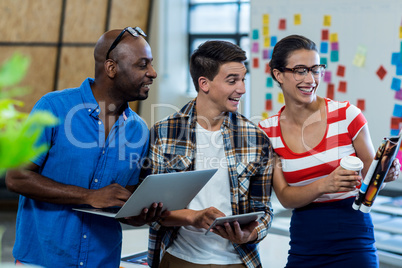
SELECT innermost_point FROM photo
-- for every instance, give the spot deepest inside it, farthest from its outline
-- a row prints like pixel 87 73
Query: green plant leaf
pixel 13 70
pixel 19 134
pixel 14 92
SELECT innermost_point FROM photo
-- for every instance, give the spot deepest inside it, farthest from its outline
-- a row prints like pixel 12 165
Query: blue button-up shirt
pixel 54 235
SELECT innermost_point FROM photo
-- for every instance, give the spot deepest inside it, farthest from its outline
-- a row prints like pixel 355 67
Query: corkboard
pixel 85 20
pixel 76 64
pixel 30 21
pixel 39 78
pixel 33 28
pixel 129 13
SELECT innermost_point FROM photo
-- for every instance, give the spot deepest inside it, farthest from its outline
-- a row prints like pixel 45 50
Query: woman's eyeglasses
pixel 136 31
pixel 300 73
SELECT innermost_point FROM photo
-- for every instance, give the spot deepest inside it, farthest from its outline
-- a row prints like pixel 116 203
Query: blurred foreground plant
pixel 19 133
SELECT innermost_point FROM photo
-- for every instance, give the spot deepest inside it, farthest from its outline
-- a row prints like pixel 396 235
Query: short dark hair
pixel 209 56
pixel 285 47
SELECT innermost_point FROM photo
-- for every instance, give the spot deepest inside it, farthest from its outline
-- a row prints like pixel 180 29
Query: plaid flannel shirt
pixel 250 164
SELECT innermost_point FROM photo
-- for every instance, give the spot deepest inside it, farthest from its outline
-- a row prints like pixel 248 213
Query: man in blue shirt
pixel 94 158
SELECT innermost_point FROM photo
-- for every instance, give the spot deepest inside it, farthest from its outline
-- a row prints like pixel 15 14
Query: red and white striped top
pixel 344 122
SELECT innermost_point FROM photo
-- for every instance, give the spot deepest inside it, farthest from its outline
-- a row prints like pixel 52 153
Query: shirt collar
pixel 90 103
pixel 190 111
pixel 88 99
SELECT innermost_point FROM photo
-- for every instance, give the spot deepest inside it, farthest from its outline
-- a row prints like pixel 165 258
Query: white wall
pixel 168 41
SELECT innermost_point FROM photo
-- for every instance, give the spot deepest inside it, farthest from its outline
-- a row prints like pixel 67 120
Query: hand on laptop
pixel 113 195
pixel 154 213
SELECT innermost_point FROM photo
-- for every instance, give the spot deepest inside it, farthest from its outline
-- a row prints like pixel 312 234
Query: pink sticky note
pixel 254 47
pixel 327 76
pixel 335 46
pixel 265 54
pixel 398 94
pixel 399 156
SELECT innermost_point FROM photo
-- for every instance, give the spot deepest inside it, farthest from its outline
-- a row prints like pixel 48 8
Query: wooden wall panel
pixel 76 64
pixel 129 13
pixel 30 21
pixel 85 20
pixel 33 28
pixel 39 78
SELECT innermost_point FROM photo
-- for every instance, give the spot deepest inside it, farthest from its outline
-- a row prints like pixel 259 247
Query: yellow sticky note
pixel 327 20
pixel 281 99
pixel 265 19
pixel 265 30
pixel 267 41
pixel 264 115
pixel 400 31
pixel 359 60
pixel 333 38
pixel 297 19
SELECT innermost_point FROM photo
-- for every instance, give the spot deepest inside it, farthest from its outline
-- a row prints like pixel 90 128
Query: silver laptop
pixel 174 190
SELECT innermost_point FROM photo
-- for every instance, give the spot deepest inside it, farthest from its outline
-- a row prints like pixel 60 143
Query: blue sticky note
pixel 324 47
pixel 270 53
pixel 394 132
pixel 334 55
pixel 255 34
pixel 397 110
pixel 399 69
pixel 396 84
pixel 268 96
pixel 396 58
pixel 270 83
pixel 274 40
pixel 324 61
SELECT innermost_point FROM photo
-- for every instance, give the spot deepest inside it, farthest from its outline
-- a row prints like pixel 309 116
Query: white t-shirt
pixel 191 243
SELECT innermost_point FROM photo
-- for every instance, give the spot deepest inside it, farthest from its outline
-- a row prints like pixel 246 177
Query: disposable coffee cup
pixel 352 163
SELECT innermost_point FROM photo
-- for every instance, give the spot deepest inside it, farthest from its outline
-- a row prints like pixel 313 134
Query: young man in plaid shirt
pixel 208 132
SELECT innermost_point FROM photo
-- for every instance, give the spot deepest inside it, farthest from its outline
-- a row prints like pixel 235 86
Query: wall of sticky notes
pixel 360 41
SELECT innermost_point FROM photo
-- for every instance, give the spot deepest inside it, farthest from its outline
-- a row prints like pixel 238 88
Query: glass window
pixel 199 41
pixel 213 18
pixel 227 20
pixel 244 20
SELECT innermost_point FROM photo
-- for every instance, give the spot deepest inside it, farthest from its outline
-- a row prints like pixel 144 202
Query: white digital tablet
pixel 242 219
pixel 174 190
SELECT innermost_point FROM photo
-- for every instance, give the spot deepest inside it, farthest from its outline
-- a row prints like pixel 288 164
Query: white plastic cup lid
pixel 351 163
pixel 365 209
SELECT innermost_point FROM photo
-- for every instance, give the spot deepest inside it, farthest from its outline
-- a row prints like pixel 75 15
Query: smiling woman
pixel 310 135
